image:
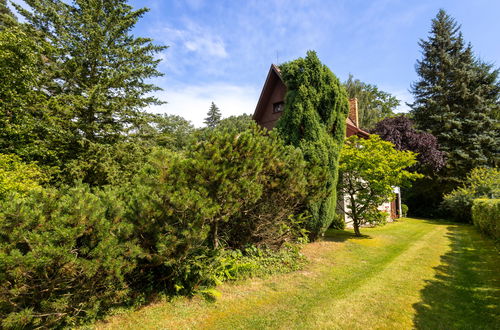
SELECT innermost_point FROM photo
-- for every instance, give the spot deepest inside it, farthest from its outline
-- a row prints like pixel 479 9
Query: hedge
pixel 486 216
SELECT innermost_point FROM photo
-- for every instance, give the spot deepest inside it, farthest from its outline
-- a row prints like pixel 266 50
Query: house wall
pixel 269 118
pixel 386 207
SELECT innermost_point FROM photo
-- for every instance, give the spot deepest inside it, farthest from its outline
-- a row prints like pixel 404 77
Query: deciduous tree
pixel 373 104
pixel 369 169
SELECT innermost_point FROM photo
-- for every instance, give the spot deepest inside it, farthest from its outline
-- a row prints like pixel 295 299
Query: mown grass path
pixel 410 274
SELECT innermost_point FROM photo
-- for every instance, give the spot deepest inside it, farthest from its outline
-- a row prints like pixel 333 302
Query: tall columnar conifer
pixel 316 108
pixel 457 100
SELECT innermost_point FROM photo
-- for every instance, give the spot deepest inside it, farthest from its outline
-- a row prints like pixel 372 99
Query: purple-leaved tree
pixel 402 133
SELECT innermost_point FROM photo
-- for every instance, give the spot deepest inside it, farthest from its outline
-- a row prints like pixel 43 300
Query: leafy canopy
pixel 401 132
pixel 369 171
pixel 373 104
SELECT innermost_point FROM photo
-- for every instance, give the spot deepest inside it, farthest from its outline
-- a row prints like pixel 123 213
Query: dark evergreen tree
pixel 457 100
pixel 373 104
pixel 101 69
pixel 314 119
pixel 213 116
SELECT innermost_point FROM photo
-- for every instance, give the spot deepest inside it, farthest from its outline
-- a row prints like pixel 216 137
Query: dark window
pixel 278 107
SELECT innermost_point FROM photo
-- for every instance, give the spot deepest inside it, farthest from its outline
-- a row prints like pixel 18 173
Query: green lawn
pixel 410 274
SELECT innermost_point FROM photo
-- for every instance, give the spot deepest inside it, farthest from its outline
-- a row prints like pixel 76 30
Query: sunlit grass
pixel 414 273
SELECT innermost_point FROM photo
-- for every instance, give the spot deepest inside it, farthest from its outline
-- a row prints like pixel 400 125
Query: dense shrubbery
pixel 219 210
pixel 63 255
pixel 486 216
pixel 480 183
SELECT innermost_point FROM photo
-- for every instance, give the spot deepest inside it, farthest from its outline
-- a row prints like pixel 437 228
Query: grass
pixel 410 274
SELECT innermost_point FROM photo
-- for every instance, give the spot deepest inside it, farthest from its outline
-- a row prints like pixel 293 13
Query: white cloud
pixel 192 102
pixel 194 39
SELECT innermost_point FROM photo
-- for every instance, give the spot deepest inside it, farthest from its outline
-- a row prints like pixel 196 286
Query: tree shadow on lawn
pixel 339 235
pixel 465 292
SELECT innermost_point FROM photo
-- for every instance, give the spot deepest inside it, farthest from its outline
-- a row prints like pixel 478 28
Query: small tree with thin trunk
pixel 213 116
pixel 369 169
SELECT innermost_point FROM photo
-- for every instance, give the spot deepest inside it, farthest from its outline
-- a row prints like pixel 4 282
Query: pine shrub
pixel 63 257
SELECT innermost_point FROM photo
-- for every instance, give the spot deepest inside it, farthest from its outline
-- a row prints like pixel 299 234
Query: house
pixel 271 105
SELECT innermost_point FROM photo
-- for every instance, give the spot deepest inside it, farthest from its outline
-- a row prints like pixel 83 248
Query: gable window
pixel 278 107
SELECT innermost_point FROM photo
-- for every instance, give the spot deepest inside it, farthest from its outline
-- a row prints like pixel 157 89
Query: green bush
pixel 18 177
pixel 486 216
pixel 68 255
pixel 64 256
pixel 481 182
pixel 404 210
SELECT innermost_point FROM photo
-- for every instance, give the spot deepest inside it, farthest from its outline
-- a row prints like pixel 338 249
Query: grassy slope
pixel 414 273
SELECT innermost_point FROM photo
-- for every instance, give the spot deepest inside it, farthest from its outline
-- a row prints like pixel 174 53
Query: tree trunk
pixel 356 228
pixel 215 238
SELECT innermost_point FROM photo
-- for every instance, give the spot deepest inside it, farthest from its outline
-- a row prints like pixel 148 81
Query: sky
pixel 221 50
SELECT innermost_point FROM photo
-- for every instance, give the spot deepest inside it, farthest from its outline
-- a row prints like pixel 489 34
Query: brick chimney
pixel 353 111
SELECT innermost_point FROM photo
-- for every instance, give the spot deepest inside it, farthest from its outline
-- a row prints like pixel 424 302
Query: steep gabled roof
pixel 273 76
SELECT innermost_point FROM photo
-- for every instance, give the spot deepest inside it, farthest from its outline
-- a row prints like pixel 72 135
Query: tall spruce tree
pixel 213 116
pixel 314 119
pixel 457 100
pixel 100 68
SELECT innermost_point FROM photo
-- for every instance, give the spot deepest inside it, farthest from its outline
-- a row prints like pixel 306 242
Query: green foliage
pixel 369 170
pixel 259 262
pixel 404 210
pixel 316 108
pixel 18 177
pixel 486 216
pixel 373 104
pixel 100 67
pixel 457 100
pixel 480 183
pixel 246 183
pixel 64 256
pixel 30 126
pixel 213 116
pixel 6 16
pixel 103 164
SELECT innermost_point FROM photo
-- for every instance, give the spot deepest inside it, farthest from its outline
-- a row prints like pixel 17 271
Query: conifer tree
pixel 100 68
pixel 314 119
pixel 213 116
pixel 457 100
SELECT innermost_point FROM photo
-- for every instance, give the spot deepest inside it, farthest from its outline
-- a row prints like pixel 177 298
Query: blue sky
pixel 221 50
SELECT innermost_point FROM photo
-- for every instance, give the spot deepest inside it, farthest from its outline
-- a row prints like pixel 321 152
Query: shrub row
pixel 184 223
pixel 486 216
pixel 480 183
